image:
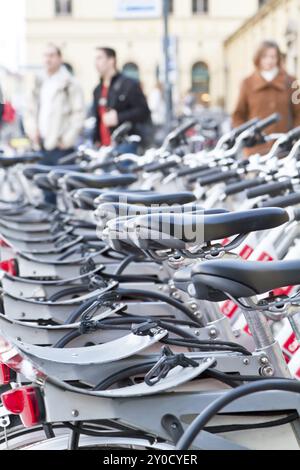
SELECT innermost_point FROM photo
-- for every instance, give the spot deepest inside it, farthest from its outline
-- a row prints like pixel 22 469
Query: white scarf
pixel 269 75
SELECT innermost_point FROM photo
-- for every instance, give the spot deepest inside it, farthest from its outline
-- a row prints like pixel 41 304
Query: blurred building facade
pixel 198 29
pixel 278 20
pixel 12 49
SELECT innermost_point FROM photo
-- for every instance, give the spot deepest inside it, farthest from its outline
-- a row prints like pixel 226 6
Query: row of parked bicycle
pixel 157 306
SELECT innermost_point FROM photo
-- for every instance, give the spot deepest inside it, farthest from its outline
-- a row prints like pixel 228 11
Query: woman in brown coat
pixel 268 90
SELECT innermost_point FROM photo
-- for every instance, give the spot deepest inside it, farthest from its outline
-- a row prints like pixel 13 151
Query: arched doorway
pixel 201 81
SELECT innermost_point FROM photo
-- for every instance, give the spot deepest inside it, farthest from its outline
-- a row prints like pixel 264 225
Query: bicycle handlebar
pixel 270 189
pixel 229 138
pixel 152 167
pixel 121 132
pixel 186 126
pixel 264 123
pixel 204 174
pixel 294 134
pixel 219 178
pixel 240 187
pixel 181 130
pixel 191 171
pixel 244 127
pixel 289 200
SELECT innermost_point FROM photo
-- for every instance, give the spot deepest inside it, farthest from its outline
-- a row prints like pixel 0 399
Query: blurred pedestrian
pixel 268 90
pixel 157 105
pixel 1 106
pixel 56 111
pixel 189 103
pixel 8 119
pixel 118 99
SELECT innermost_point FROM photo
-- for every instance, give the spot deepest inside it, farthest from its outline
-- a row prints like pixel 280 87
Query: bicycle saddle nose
pixel 84 198
pixel 42 181
pixel 32 170
pixel 177 230
pixel 241 279
pixel 88 199
pixel 118 238
pixel 49 179
pixel 55 175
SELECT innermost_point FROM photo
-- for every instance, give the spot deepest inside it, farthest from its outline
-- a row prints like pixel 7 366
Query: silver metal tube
pixel 259 327
pixel 294 320
pixel 266 343
pixel 211 311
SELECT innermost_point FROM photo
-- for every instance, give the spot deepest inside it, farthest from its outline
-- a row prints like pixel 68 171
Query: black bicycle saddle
pixel 242 279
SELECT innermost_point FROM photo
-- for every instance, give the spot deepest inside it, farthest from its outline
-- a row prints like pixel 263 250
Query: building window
pixel 200 78
pixel 200 7
pixel 63 7
pixel 131 70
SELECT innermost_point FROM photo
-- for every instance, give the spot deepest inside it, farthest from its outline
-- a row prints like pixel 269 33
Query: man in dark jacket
pixel 118 99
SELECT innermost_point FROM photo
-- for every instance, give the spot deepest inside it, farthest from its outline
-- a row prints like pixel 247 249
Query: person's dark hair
pixel 109 52
pixel 69 67
pixel 263 47
pixel 56 48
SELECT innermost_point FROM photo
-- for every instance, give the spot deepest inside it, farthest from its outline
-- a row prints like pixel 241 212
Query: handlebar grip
pixel 283 201
pixel 240 187
pixel 271 189
pixel 294 134
pixel 204 174
pixel 191 171
pixel 218 178
pixel 182 129
pixel 264 123
pixel 244 127
pixel 160 166
pixel 121 131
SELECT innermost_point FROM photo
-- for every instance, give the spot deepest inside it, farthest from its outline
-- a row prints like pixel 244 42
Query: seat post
pixel 265 342
pixel 294 319
pixel 259 327
pixel 214 319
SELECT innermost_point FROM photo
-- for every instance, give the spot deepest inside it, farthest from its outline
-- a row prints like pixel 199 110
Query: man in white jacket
pixel 55 113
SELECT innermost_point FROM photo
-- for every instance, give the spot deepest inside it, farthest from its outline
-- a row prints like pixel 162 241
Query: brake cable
pixel 165 364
